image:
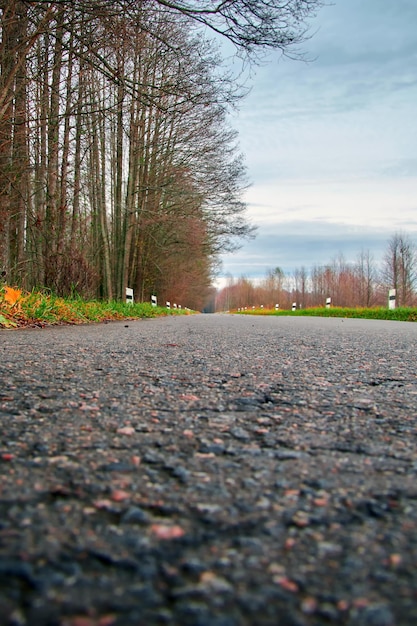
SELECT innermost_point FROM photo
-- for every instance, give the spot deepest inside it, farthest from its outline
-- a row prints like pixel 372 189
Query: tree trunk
pixel 7 74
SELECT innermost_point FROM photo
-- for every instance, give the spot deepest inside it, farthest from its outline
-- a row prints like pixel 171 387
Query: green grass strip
pixel 38 308
pixel 402 314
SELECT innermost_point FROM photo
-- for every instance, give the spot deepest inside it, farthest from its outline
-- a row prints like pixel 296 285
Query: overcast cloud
pixel 331 145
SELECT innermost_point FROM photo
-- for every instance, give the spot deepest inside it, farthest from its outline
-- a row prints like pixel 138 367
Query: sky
pixel 331 144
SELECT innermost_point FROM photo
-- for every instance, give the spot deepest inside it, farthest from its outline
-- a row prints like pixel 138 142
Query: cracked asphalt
pixel 209 470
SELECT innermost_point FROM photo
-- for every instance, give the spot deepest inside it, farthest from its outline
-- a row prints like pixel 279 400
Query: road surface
pixel 209 470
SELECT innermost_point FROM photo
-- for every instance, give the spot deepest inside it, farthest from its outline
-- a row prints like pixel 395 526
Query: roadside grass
pixel 402 314
pixel 19 309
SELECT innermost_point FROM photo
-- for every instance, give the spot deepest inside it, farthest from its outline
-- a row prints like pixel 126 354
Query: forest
pixel 363 283
pixel 118 164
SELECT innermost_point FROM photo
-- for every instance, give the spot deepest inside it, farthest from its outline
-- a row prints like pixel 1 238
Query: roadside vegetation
pixel 37 309
pixel 402 314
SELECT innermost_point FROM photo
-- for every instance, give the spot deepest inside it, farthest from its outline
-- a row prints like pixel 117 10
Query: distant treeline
pixel 362 283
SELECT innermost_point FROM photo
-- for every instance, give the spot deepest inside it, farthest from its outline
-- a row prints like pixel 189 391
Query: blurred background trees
pixel 363 283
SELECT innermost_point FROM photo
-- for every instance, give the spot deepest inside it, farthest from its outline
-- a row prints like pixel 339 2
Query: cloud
pixel 355 32
pixel 376 202
pixel 352 107
pixel 292 245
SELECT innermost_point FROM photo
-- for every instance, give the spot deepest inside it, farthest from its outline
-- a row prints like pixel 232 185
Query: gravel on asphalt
pixel 209 470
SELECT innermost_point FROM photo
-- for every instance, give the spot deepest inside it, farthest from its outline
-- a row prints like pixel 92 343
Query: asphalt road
pixel 212 470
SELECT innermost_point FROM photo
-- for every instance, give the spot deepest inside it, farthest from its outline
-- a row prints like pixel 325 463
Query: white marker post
pixel 129 295
pixel 154 301
pixel 276 307
pixel 294 306
pixel 328 303
pixel 392 299
pixel 168 305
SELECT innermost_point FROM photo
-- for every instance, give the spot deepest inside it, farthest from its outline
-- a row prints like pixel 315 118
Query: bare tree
pixel 273 284
pixel 399 270
pixel 252 26
pixel 366 275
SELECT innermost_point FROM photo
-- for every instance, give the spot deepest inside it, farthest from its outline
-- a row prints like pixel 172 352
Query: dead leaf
pixel 6 322
pixel 118 495
pixel 11 296
pixel 165 531
pixel 126 430
pixel 395 560
pixel 103 504
pixel 286 583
